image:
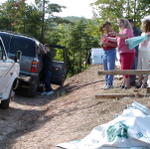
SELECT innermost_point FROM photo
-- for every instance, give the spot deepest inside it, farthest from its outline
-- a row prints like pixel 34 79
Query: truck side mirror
pixel 18 56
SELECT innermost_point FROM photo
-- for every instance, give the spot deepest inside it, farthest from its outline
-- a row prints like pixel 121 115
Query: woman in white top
pixel 144 52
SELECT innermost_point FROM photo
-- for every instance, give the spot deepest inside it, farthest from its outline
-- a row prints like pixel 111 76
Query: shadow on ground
pixel 39 100
pixel 16 122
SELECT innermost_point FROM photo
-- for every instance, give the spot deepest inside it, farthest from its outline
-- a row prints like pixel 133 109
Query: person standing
pixel 109 53
pixel 126 54
pixel 144 53
pixel 47 70
pixel 136 32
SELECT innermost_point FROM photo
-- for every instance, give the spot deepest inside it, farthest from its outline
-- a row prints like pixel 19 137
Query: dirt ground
pixel 71 113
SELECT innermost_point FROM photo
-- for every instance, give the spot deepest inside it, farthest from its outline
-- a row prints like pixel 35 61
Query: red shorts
pixel 126 61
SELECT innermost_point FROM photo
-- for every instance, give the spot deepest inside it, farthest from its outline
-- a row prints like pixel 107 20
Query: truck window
pixel 6 39
pixel 1 51
pixel 25 45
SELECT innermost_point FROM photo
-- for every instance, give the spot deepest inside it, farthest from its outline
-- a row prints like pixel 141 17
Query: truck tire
pixel 5 103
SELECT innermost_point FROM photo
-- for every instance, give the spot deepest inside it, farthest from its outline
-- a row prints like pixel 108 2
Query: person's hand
pixel 113 33
pixel 104 36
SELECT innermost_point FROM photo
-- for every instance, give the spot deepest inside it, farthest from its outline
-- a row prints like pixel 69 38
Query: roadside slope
pixel 73 115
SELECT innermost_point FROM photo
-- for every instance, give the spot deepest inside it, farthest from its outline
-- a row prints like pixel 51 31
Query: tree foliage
pixel 46 9
pixel 78 35
pixel 79 39
pixel 113 9
pixel 19 17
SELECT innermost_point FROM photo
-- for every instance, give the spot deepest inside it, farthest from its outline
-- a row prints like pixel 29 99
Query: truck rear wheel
pixel 5 103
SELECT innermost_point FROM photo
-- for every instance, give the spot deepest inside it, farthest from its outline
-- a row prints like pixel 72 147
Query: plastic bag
pixel 129 130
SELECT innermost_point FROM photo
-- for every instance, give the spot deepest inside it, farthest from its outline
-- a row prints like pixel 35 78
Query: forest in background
pixel 77 35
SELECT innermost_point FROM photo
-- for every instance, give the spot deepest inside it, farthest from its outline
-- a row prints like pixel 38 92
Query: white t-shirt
pixel 145 46
pixel 144 54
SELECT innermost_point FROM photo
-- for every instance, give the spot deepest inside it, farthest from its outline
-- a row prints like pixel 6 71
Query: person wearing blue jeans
pixel 109 64
pixel 47 71
pixel 47 80
pixel 109 53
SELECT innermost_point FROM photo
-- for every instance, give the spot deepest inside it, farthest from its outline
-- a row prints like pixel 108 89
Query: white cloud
pixel 76 7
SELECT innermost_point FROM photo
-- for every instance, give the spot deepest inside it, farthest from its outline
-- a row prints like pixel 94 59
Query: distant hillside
pixel 74 18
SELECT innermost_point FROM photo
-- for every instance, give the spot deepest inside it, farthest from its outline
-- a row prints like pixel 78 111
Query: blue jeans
pixel 47 80
pixel 109 64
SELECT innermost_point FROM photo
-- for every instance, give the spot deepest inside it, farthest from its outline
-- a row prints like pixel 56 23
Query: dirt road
pixel 71 113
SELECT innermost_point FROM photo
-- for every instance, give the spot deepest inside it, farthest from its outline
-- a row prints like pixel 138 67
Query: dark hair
pixel 131 20
pixel 103 25
pixel 106 23
pixel 145 26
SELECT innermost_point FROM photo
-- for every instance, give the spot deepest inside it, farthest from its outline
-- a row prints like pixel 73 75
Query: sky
pixel 79 8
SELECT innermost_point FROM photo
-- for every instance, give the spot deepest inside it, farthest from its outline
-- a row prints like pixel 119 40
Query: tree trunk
pixel 43 21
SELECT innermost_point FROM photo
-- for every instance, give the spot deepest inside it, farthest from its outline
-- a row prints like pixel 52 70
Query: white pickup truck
pixel 9 72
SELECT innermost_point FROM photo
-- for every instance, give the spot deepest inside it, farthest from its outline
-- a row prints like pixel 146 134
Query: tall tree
pixel 113 9
pixel 47 9
pixel 78 38
pixel 18 16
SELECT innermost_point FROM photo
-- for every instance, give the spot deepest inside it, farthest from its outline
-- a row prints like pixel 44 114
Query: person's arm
pixel 113 39
pixel 111 44
pixel 124 36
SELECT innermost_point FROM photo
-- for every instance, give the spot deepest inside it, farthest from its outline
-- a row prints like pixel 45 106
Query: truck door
pixel 58 66
pixel 5 66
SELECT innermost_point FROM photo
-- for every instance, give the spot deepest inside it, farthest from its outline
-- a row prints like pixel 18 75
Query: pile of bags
pixel 129 130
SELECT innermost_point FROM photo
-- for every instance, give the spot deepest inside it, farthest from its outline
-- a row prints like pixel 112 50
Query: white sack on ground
pixel 130 130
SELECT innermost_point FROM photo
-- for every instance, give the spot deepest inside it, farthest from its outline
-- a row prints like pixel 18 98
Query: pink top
pixel 122 47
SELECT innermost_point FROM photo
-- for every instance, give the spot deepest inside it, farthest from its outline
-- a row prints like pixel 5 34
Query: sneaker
pixel 122 86
pixel 49 93
pixel 105 86
pixel 133 83
pixel 127 87
pixel 144 85
pixel 108 87
pixel 43 93
pixel 138 84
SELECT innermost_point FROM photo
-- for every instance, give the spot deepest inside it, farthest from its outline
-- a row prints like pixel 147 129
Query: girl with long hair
pixel 126 54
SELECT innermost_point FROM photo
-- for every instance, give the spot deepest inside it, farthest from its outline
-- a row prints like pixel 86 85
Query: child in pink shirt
pixel 126 54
